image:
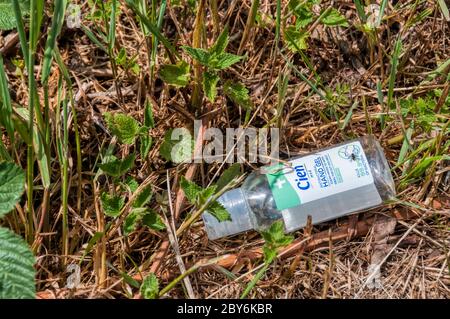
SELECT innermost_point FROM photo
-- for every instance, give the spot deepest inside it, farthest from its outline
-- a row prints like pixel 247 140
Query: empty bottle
pixel 330 183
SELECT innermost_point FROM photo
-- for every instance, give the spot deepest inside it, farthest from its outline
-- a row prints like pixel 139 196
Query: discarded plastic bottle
pixel 332 182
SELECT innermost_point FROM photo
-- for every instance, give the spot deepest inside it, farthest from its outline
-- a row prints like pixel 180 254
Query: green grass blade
pixel 393 74
pixel 21 31
pixel 360 9
pixel 57 23
pixel 93 38
pixel 444 9
pixel 112 26
pixel 152 28
pixel 5 103
pixel 381 13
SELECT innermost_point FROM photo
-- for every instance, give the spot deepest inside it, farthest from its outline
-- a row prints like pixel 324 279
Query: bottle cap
pixel 236 205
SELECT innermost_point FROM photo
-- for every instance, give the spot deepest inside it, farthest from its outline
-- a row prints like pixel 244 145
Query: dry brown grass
pixel 418 265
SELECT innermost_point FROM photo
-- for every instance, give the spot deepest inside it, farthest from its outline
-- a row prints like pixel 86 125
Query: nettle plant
pixel 123 186
pixel 296 35
pixel 7 16
pixel 215 60
pixel 17 271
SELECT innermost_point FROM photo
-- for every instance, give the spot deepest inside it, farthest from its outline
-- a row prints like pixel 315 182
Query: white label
pixel 321 174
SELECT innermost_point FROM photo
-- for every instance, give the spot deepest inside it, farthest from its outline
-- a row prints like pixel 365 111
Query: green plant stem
pixel 196 98
pixel 255 279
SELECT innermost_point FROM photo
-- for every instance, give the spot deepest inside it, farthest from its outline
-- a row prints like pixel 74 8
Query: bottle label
pixel 319 175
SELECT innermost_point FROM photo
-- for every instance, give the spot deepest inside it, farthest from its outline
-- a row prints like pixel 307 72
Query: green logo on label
pixel 285 196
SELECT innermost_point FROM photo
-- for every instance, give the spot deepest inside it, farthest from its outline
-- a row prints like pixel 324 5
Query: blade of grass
pixel 360 9
pixel 444 9
pixel 154 30
pixel 55 29
pixel 392 76
pixel 66 76
pixel 381 13
pixel 5 106
pixel 162 11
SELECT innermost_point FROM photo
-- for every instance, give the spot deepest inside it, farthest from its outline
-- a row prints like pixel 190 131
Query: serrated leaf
pixel 238 93
pixel 131 221
pixel 145 145
pixel 131 184
pixel 218 211
pixel 121 58
pixel 150 287
pixel 144 197
pixel 148 115
pixel 12 185
pixel 190 189
pixel 153 220
pixel 269 254
pixel 275 236
pixel 296 40
pixel 115 167
pixel 7 17
pixel 178 146
pixel 206 193
pixel 228 175
pixel 221 42
pixel 198 54
pixel 210 81
pixel 112 205
pixel 334 18
pixel 175 74
pixel 123 126
pixel 17 273
pixel 302 12
pixel 223 60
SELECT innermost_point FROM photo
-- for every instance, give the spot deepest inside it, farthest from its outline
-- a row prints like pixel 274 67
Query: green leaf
pixel 223 60
pixel 16 267
pixel 275 236
pixel 148 115
pixel 7 17
pixel 238 93
pixel 112 205
pixel 121 58
pixel 197 54
pixel 334 18
pixel 221 42
pixel 150 287
pixel 146 142
pixel 131 184
pixel 228 175
pixel 210 81
pixel 269 254
pixel 115 167
pixel 175 74
pixel 131 221
pixel 123 126
pixel 206 194
pixel 178 149
pixel 154 221
pixel 12 185
pixel 296 40
pixel 144 197
pixel 190 189
pixel 302 12
pixel 218 211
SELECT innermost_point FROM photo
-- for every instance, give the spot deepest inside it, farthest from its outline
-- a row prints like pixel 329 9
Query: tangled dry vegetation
pixel 345 80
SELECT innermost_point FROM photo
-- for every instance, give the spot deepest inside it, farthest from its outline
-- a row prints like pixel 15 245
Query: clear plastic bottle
pixel 332 182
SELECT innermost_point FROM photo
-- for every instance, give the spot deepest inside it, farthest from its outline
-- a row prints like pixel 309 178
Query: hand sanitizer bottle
pixel 330 183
